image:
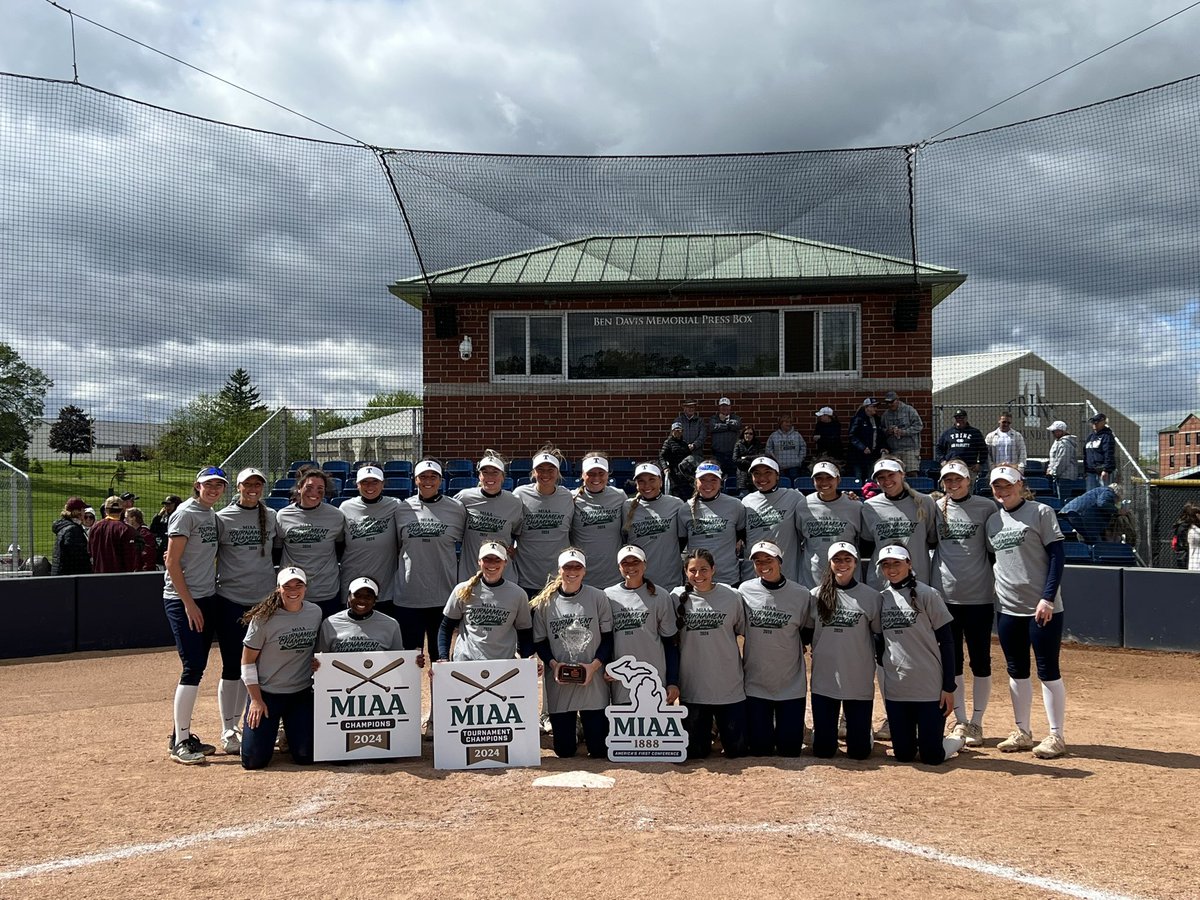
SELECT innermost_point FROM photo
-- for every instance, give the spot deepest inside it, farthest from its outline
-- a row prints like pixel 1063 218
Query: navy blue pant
pixel 193 646
pixel 329 607
pixel 296 713
pixel 917 728
pixel 859 739
pixel 230 634
pixel 731 725
pixel 1019 633
pixel 774 727
pixel 974 625
pixel 418 625
pixel 595 730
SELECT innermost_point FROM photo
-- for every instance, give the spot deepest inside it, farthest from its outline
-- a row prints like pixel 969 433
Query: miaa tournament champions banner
pixel 485 714
pixel 367 705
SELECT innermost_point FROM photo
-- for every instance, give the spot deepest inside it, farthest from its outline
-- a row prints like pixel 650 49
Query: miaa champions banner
pixel 485 714
pixel 367 705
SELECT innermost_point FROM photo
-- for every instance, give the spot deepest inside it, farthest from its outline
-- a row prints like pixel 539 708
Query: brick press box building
pixel 595 343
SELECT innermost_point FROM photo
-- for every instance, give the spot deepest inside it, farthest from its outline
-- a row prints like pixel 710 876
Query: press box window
pixel 820 340
pixel 524 346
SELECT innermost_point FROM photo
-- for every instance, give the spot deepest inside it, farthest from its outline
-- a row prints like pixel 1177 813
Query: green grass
pixel 88 479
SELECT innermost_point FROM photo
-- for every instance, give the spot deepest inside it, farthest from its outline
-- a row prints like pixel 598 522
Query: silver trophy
pixel 575 639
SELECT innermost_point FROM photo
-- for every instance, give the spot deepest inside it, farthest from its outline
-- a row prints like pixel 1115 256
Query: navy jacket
pixel 964 443
pixel 1100 452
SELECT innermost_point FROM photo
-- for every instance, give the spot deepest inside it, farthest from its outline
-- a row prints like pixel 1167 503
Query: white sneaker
pixel 231 742
pixel 1018 740
pixel 427 728
pixel 973 736
pixel 951 745
pixel 1051 747
pixel 281 741
pixel 883 731
pixel 842 726
pixel 960 729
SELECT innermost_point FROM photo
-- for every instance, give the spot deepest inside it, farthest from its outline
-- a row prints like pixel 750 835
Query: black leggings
pixel 1019 633
pixel 917 728
pixel 566 739
pixel 859 739
pixel 731 724
pixel 974 624
pixel 418 625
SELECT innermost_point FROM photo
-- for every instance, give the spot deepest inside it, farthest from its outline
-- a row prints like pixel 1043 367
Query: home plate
pixel 575 780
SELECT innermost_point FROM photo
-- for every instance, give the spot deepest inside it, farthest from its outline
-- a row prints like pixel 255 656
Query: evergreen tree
pixel 72 433
pixel 239 396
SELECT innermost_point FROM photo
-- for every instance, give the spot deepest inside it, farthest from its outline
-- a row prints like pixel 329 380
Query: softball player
pixel 564 603
pixel 643 624
pixel 1027 542
pixel 773 655
pixel 826 517
pixel 493 514
pixel 190 602
pixel 313 532
pixel 899 515
pixel 845 620
pixel 361 627
pixel 962 573
pixel 716 521
pixel 245 575
pixel 490 614
pixel 596 523
pixel 918 662
pixel 654 521
pixel 549 512
pixel 771 516
pixel 277 667
pixel 372 542
pixel 709 617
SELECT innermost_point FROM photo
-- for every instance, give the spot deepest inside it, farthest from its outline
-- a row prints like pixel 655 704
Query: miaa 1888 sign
pixel 367 705
pixel 485 714
pixel 646 729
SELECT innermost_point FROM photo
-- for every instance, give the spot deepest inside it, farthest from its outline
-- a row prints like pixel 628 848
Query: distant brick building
pixel 595 343
pixel 1179 447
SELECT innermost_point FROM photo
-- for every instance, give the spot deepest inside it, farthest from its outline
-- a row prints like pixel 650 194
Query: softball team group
pixel 884 591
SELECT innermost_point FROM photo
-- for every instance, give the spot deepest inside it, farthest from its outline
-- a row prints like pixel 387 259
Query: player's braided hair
pixel 688 587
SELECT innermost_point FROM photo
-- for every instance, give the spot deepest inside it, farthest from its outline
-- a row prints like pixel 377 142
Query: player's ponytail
pixel 633 505
pixel 264 610
pixel 553 583
pixel 827 592
pixel 468 586
pixel 649 585
pixel 262 528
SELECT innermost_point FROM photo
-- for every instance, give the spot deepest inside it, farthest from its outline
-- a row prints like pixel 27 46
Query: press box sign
pixel 485 714
pixel 367 706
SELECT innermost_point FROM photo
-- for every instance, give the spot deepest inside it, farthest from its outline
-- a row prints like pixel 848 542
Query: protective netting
pixel 151 256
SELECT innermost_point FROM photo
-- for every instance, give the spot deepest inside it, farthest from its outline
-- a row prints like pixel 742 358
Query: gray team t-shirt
pixel 710 664
pixel 962 572
pixel 772 517
pixel 429 567
pixel 342 633
pixel 245 568
pixel 773 655
pixel 596 530
pixel 286 642
pixel 641 622
pixel 309 540
pixel 911 521
pixel 591 609
pixel 372 544
pixel 1019 540
pixel 490 618
pixel 843 650
pixel 545 533
pixel 912 663
pixel 199 526
pixel 495 518
pixel 656 527
pixel 713 525
pixel 822 523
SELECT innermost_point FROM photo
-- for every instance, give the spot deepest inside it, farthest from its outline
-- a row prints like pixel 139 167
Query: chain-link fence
pixel 16 521
pixel 1168 498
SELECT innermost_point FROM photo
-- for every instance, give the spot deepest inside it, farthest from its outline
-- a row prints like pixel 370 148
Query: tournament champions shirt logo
pixel 543 520
pixel 894 529
pixel 480 615
pixel 298 639
pixel 957 531
pixel 368 527
pixel 824 528
pixel 706 525
pixel 629 619
pixel 427 528
pixel 558 626
pixel 763 519
pixel 207 533
pixel 483 522
pixel 244 536
pixel 703 620
pixel 843 617
pixel 1009 537
pixel 650 527
pixel 306 534
pixel 767 618
pixel 897 618
pixel 589 515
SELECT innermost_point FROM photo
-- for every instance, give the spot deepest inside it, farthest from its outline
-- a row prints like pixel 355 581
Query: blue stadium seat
pixel 849 484
pixel 460 483
pixel 929 469
pixel 731 491
pixel 509 484
pixel 1065 527
pixel 398 484
pixel 338 501
pixel 1053 502
pixel 359 463
pixel 1071 487
pixel 520 468
pixel 1077 554
pixel 784 481
pixel 804 484
pixel 338 468
pixel 276 503
pixel 337 487
pixel 921 484
pixel 285 484
pixel 730 483
pixel 459 468
pixel 397 468
pixel 571 483
pixel 566 467
pixel 1035 467
pixel 1039 484
pixel 1111 553
pixel 299 464
pixel 622 465
pixel 350 489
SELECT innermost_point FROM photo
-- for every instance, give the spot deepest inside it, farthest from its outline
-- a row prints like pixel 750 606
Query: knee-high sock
pixel 228 692
pixel 1021 691
pixel 981 693
pixel 185 702
pixel 1054 696
pixel 960 699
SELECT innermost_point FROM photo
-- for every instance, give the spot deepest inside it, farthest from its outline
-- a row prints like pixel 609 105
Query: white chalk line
pixel 981 867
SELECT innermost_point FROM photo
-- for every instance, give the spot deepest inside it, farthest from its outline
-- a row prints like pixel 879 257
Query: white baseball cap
pixel 768 547
pixel 894 551
pixel 724 401
pixel 367 472
pixel 1004 473
pixel 887 465
pixel 571 555
pixel 708 469
pixel 647 469
pixel 1057 425
pixel 955 467
pixel 250 473
pixel 764 461
pixel 825 411
pixel 290 573
pixel 493 548
pixel 595 462
pixel 826 468
pixel 841 547
pixel 363 582
pixel 545 458
pixel 427 465
pixel 631 550
pixel 493 461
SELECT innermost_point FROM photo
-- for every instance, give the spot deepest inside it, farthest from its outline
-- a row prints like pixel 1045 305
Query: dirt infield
pixel 94 808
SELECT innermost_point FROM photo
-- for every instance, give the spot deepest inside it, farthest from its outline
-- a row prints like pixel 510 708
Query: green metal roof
pixel 672 260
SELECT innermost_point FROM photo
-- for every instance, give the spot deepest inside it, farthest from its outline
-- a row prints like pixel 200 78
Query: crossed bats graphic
pixel 338 664
pixel 485 689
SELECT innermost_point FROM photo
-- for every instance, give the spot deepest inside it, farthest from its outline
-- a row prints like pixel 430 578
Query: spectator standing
pixel 88 520
pixel 128 499
pixel 1006 447
pixel 677 462
pixel 1193 540
pixel 1100 453
pixel 147 549
pixel 745 451
pixel 902 425
pixel 964 441
pixel 866 439
pixel 158 525
pixel 1064 454
pixel 786 446
pixel 70 541
pixel 724 427
pixel 695 432
pixel 113 544
pixel 827 436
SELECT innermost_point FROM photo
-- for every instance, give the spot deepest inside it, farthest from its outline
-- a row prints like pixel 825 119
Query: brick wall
pixel 1187 444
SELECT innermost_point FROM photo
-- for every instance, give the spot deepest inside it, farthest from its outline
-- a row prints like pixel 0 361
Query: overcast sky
pixel 575 78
